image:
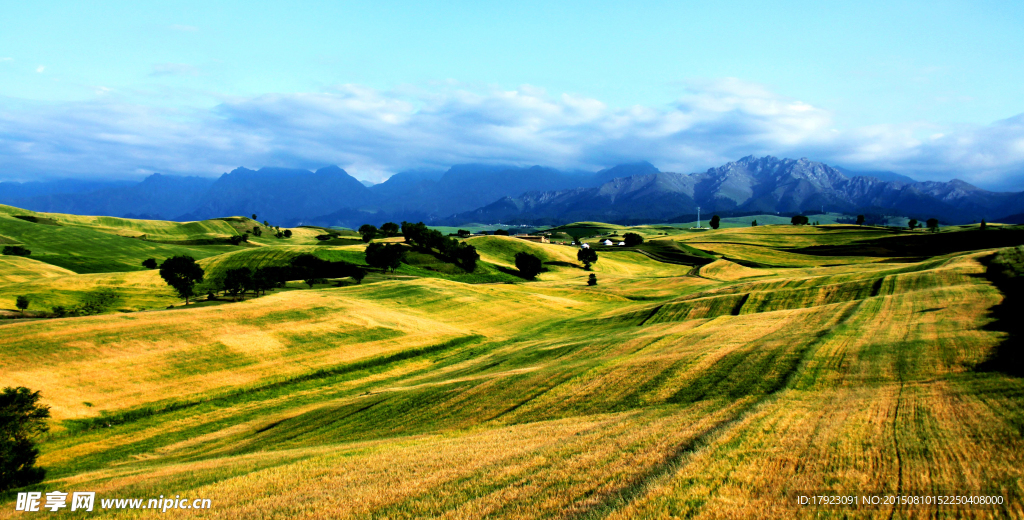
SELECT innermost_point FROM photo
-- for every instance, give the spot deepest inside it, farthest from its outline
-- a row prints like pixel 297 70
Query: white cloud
pixel 6 59
pixel 40 68
pixel 372 132
pixel 184 28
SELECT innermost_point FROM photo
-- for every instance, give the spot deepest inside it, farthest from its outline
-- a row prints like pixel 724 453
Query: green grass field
pixel 710 374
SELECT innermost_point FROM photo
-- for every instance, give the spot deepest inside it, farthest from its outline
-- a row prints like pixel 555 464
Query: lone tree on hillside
pixel 22 418
pixel 715 222
pixel 529 266
pixel 368 231
pixel 982 227
pixel 182 273
pixel 860 220
pixel 287 233
pixel 798 220
pixel 753 223
pixel 632 239
pixel 587 256
pixel 500 232
pixel 22 304
pixel 592 280
pixel 149 263
pixel 254 216
pixel 912 224
pixel 933 225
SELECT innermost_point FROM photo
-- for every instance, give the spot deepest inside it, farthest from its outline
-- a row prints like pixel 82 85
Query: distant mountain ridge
pixel 750 185
pixel 627 193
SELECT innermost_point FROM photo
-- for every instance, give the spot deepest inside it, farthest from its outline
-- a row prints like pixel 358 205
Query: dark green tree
pixel 149 263
pixel 368 231
pixel 592 280
pixel 256 231
pixel 385 256
pixel 912 224
pixel 254 216
pixel 467 257
pixel 715 222
pixel 632 239
pixel 933 225
pixel 501 232
pixel 390 229
pixel 798 220
pixel 860 220
pixel 237 281
pixel 529 265
pixel 463 233
pixel 587 256
pixel 16 251
pixel 238 239
pixel 22 419
pixel 287 233
pixel 182 273
pixel 983 225
pixel 754 223
pixel 22 304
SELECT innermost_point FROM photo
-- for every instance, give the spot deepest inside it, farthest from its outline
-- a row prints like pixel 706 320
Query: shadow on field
pixel 1005 270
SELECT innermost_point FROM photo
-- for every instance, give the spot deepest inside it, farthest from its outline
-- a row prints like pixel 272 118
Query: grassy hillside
pixel 716 390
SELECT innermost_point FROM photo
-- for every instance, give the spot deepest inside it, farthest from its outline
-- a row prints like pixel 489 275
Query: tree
pixel 266 224
pixel 754 223
pixel 256 231
pixel 463 233
pixel 592 280
pixel 632 239
pixel 983 225
pixel 287 233
pixel 933 225
pixel 715 222
pixel 254 216
pixel 501 232
pixel 182 273
pixel 798 220
pixel 310 269
pixel 22 303
pixel 587 256
pixel 368 231
pixel 385 256
pixel 238 239
pixel 467 256
pixel 237 280
pixel 390 229
pixel 16 251
pixel 912 224
pixel 529 265
pixel 22 418
pixel 149 263
pixel 860 220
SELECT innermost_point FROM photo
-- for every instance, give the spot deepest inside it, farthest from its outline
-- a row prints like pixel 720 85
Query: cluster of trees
pixel 93 302
pixel 385 256
pixel 632 239
pixel 799 220
pixel 387 230
pixel 22 419
pixel 16 251
pixel 310 269
pixel 430 240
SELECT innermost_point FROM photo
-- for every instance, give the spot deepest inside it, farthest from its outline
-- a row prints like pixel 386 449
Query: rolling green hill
pixel 717 388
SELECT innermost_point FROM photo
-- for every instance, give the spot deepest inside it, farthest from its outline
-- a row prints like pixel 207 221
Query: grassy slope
pixel 662 391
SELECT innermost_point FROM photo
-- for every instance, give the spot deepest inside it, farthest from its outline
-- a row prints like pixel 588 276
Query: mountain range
pixel 627 193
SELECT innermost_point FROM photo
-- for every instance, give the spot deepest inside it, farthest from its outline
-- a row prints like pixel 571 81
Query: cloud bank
pixel 374 133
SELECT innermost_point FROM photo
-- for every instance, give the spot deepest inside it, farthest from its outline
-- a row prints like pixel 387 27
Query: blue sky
pixel 122 89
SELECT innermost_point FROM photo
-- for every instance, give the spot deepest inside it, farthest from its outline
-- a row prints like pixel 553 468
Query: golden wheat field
pixel 721 390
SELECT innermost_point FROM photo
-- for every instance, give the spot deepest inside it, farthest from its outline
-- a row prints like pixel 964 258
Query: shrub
pixel 16 251
pixel 592 280
pixel 149 263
